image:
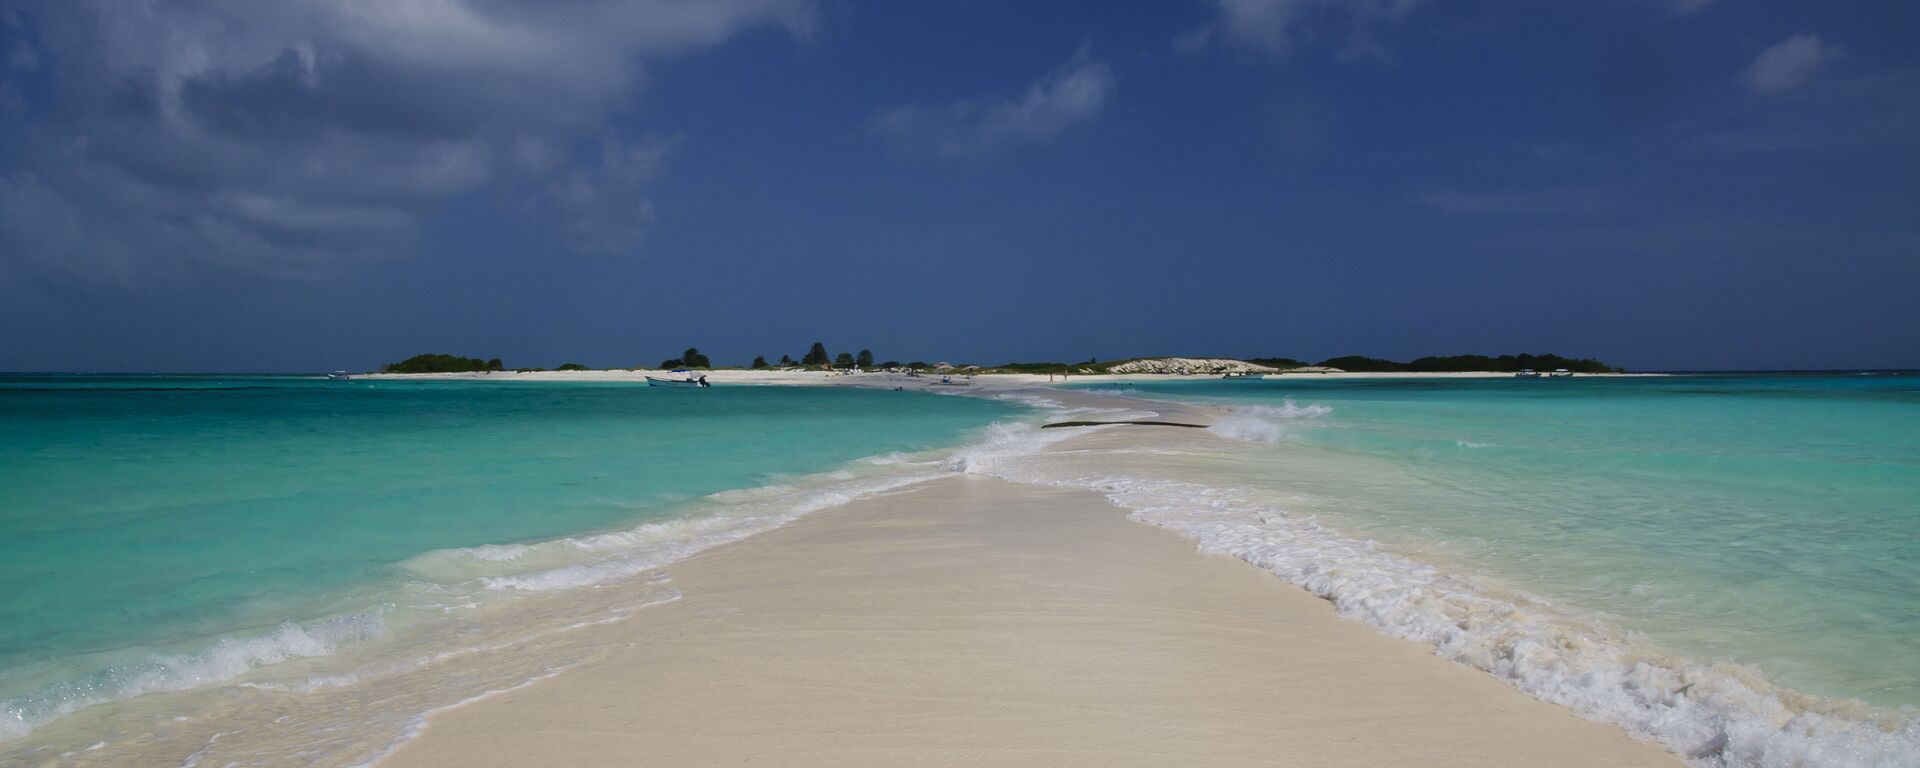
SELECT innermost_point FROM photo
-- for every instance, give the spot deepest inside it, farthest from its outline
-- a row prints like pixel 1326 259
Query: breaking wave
pixel 227 659
pixel 1264 423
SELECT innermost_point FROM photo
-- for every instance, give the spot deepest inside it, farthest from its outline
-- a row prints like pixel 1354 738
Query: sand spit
pixel 971 622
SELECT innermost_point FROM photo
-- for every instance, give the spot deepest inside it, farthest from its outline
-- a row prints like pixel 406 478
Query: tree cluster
pixel 817 357
pixel 431 363
pixel 692 358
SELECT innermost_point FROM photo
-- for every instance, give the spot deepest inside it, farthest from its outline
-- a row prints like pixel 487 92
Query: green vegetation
pixel 1359 364
pixel 688 359
pixel 843 360
pixel 1467 363
pixel 864 359
pixel 786 362
pixel 759 362
pixel 442 364
pixel 571 367
pixel 815 356
pixel 1276 362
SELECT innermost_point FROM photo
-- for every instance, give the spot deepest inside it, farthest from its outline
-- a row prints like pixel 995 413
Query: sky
pixel 230 185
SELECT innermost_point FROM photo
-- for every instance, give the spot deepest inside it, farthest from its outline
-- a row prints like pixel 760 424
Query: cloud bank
pixel 290 138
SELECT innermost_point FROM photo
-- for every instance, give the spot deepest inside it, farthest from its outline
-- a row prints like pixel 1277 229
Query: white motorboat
pixel 686 382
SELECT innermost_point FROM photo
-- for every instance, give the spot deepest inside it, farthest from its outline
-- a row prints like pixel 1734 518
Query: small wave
pixel 1287 409
pixel 227 659
pixel 738 495
pixel 1003 442
pixel 1262 423
pixel 1035 401
pixel 1470 445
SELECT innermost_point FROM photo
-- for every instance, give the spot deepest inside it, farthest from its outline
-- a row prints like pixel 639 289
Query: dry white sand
pixel 972 622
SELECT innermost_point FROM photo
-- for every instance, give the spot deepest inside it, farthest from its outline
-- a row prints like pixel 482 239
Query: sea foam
pixel 1264 423
pixel 1715 714
pixel 227 659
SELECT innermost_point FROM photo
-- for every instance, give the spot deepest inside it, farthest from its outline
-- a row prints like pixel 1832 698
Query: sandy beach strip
pixel 974 622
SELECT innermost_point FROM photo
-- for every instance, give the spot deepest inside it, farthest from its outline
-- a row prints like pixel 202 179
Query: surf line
pixel 1119 423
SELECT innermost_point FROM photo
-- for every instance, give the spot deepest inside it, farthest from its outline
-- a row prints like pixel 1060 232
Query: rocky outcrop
pixel 1189 366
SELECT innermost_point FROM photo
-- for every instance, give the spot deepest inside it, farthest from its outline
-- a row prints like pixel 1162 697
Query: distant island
pixel 817 358
pixel 442 364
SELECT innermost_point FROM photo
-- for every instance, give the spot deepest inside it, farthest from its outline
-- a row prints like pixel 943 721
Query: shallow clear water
pixel 1768 520
pixel 315 565
pixel 142 519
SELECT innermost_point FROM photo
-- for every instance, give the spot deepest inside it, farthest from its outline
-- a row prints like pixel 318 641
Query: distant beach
pixel 996 381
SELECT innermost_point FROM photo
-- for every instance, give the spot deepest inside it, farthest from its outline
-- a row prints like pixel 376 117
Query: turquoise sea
pixel 1756 535
pixel 166 532
pixel 273 566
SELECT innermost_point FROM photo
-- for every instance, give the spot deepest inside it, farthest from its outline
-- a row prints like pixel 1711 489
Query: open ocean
pixel 1727 563
pixel 176 533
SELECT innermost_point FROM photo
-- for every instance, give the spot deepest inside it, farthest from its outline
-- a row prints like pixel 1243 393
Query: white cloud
pixel 1788 64
pixel 287 136
pixel 1072 94
pixel 1273 27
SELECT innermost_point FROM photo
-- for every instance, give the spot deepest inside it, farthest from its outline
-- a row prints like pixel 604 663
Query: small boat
pixel 338 376
pixel 686 382
pixel 1560 373
pixel 1253 375
pixel 1526 373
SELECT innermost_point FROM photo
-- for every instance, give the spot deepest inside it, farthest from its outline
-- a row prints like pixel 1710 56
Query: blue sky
pixel 227 185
